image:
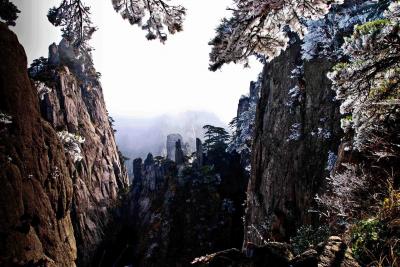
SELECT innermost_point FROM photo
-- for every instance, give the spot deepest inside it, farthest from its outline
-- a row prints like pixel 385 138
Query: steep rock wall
pixel 78 107
pixel 36 190
pixel 62 169
pixel 297 130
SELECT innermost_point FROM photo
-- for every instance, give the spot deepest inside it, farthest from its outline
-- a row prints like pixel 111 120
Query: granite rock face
pixel 36 193
pixel 78 108
pixel 171 144
pixel 60 160
pixel 179 154
pixel 297 127
pixel 244 123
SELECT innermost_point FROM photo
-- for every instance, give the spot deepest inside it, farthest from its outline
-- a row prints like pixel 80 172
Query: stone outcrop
pixel 333 253
pixel 199 152
pixel 171 145
pixel 61 169
pixel 297 127
pixel 244 123
pixel 179 155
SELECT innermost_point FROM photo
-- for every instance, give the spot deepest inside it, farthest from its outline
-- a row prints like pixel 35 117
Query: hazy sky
pixel 142 78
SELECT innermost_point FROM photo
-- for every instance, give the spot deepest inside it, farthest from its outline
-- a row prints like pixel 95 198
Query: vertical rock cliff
pixel 297 127
pixel 36 192
pixel 60 163
pixel 244 123
pixel 76 109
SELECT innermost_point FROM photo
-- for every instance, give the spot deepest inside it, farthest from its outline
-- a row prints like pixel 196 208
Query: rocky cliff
pixel 297 128
pixel 37 186
pixel 61 169
pixel 178 210
pixel 76 109
pixel 244 123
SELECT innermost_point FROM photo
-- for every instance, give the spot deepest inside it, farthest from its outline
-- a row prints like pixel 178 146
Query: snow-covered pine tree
pixel 152 16
pixel 261 28
pixel 369 85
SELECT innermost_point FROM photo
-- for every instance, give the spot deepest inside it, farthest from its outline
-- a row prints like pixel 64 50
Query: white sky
pixel 142 78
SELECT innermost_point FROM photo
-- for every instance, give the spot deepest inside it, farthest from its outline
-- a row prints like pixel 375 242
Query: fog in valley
pixel 138 136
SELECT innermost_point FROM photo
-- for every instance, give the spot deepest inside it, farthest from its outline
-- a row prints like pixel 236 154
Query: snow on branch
pixel 72 144
pixel 152 16
pixel 261 28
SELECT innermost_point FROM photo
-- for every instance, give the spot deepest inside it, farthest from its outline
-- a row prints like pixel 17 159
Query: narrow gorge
pixel 307 175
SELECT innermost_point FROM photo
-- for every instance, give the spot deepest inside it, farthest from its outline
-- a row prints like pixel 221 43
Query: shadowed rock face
pixel 297 124
pixel 60 166
pixel 176 211
pixel 199 152
pixel 172 139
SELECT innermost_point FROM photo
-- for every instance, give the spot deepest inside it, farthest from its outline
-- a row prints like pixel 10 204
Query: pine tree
pixel 8 12
pixel 73 16
pixel 260 27
pixel 158 13
pixel 216 138
pixel 369 85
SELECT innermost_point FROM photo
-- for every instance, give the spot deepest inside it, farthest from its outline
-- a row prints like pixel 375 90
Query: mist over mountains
pixel 136 137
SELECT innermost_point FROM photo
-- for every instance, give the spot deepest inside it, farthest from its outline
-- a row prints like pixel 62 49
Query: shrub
pixel 308 237
pixel 375 241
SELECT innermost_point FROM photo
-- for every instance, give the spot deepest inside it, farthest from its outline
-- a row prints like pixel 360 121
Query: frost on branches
pixel 72 144
pixel 261 28
pixel 343 197
pixel 369 85
pixel 152 15
pixel 244 123
pixel 325 36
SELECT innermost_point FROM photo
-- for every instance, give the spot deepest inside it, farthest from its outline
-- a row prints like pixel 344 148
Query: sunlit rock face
pixel 36 192
pixel 60 168
pixel 77 108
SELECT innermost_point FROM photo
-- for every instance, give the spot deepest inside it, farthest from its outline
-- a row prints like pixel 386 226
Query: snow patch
pixel 72 144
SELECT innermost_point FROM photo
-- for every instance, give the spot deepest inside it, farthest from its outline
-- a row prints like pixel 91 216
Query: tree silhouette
pixel 8 12
pixel 215 138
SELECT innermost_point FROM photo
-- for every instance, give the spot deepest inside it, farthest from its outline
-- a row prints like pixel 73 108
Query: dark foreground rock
pixel 333 253
pixel 297 128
